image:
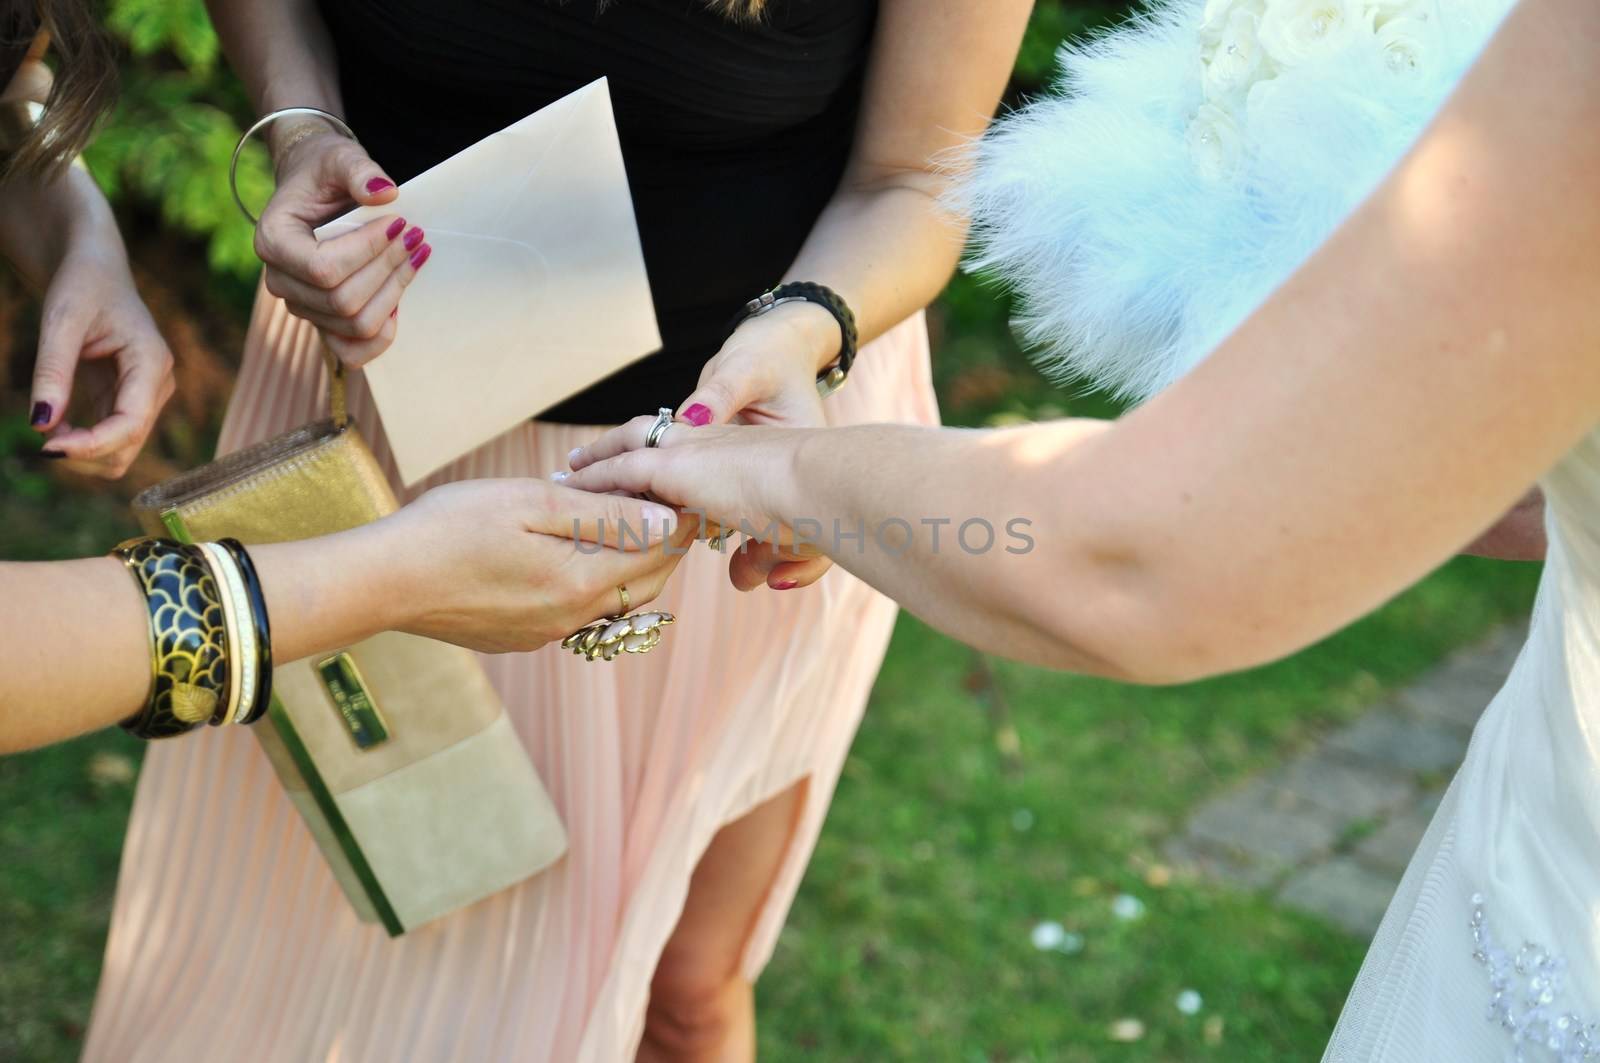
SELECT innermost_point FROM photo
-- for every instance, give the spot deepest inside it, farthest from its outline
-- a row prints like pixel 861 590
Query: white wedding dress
pixel 1188 164
pixel 1490 950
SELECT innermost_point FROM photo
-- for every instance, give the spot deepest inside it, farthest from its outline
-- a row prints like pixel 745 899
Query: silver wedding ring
pixel 663 422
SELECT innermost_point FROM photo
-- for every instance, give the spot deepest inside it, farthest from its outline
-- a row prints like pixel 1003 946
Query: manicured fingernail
pixel 559 476
pixel 395 227
pixel 413 238
pixel 41 414
pixel 378 184
pixel 698 415
pixel 662 517
pixel 420 256
pixel 786 585
pixel 572 455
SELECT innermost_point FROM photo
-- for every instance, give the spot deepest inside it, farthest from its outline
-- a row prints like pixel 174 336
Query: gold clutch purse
pixel 397 751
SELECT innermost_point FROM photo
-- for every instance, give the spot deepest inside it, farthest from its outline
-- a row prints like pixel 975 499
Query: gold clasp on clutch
pixel 354 701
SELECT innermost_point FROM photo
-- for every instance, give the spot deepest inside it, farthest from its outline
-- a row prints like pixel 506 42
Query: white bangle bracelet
pixel 241 631
pixel 262 123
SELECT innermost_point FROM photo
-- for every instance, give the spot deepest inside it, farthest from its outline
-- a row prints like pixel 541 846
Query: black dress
pixel 734 134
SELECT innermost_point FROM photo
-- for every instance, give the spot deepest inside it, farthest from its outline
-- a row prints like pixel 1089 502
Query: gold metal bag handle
pixel 338 407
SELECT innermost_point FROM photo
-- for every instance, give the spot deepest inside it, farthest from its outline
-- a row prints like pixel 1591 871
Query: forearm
pixel 887 242
pixel 42 221
pixel 74 635
pixel 887 246
pixel 976 532
pixel 282 53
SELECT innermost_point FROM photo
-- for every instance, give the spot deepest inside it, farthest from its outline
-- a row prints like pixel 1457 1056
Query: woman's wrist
pixel 784 485
pixel 334 590
pixel 43 223
pixel 804 328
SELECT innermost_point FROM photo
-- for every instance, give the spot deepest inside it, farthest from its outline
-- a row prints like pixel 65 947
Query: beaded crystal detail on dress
pixel 1526 999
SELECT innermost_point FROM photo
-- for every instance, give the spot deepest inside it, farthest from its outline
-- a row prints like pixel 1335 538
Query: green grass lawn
pixel 955 831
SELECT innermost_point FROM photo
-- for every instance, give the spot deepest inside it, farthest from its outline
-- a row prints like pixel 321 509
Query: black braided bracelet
pixel 832 378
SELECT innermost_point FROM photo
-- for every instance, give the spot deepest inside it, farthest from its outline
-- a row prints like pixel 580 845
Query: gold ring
pixel 627 603
pixel 607 638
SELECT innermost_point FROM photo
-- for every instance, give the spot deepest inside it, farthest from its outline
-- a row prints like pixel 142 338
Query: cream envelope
pixel 536 287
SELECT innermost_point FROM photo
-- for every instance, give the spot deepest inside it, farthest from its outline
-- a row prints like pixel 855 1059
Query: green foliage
pixel 1053 22
pixel 153 26
pixel 170 140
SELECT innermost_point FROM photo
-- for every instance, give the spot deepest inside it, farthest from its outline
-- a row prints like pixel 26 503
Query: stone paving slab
pixel 1295 830
pixel 1266 825
pixel 1459 690
pixel 1346 789
pixel 1390 737
pixel 1389 848
pixel 1342 891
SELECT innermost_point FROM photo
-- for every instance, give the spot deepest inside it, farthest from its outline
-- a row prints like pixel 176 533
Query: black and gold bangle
pixel 263 627
pixel 188 637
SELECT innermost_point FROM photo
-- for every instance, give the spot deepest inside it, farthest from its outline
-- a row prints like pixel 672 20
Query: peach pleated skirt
pixel 229 938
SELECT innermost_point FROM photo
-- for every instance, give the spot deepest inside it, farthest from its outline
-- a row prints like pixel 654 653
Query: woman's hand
pixel 766 374
pixel 509 565
pixel 767 371
pixel 97 340
pixel 731 476
pixel 349 285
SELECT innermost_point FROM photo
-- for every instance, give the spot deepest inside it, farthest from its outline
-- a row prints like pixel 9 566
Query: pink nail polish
pixel 786 585
pixel 420 256
pixel 395 313
pixel 698 415
pixel 413 238
pixel 395 227
pixel 378 184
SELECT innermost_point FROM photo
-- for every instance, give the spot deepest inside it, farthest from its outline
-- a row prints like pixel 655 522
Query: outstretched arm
pixel 1435 357
pixel 486 564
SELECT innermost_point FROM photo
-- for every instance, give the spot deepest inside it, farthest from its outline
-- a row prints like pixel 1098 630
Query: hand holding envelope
pixel 536 287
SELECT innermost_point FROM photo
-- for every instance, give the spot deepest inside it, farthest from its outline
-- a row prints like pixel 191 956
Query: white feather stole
pixel 1191 160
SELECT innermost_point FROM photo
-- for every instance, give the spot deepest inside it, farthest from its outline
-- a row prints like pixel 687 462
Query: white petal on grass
pixel 1189 1002
pixel 1049 935
pixel 1127 1031
pixel 1127 907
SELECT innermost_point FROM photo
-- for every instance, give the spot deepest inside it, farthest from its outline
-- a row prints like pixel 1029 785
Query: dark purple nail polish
pixel 413 238
pixel 698 415
pixel 41 414
pixel 786 585
pixel 421 256
pixel 395 227
pixel 378 184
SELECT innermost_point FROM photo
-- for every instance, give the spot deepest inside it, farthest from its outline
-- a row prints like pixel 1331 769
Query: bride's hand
pixel 728 475
pixel 501 566
pixel 766 374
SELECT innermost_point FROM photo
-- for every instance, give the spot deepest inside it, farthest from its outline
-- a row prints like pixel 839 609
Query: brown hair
pixel 84 88
pixel 739 9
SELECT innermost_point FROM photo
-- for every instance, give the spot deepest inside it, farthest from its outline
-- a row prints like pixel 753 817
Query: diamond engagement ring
pixel 663 422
